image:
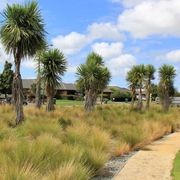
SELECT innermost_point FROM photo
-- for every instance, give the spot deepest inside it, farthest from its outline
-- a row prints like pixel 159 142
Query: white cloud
pixel 121 64
pixel 108 50
pixel 72 69
pixel 141 18
pixel 29 63
pixel 129 3
pixel 117 61
pixel 70 43
pixel 172 56
pixel 4 56
pixel 74 42
pixel 152 18
pixel 106 31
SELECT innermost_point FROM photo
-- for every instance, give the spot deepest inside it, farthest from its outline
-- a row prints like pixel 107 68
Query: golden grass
pixel 71 144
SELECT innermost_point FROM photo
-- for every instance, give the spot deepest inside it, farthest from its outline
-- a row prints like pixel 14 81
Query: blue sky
pixel 124 32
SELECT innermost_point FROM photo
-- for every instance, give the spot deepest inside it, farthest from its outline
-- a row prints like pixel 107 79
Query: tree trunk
pixel 166 102
pixel 89 101
pixel 38 89
pixel 140 104
pixel 43 93
pixel 148 95
pixel 94 98
pixel 133 97
pixel 5 95
pixel 50 96
pixel 101 98
pixel 17 92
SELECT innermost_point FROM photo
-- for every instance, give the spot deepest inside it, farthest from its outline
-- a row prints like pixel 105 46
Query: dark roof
pixel 28 82
pixel 66 86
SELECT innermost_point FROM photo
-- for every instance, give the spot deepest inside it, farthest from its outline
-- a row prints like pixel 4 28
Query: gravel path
pixel 155 162
pixel 113 166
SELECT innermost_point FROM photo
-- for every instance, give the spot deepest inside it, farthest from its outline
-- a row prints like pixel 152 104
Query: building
pixel 66 90
pixel 144 94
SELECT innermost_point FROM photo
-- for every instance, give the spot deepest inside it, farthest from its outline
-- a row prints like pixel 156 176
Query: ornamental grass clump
pixel 70 143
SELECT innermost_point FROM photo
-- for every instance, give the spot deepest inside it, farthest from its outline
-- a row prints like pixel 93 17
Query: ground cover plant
pixel 71 144
pixel 176 169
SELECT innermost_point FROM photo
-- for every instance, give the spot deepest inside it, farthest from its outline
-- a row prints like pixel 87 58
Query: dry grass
pixel 70 144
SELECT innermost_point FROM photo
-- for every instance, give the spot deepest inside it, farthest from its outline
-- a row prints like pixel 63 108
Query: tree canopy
pixel 93 77
pixel 54 65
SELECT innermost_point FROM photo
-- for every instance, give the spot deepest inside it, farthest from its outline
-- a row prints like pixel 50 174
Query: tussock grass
pixel 69 171
pixel 71 144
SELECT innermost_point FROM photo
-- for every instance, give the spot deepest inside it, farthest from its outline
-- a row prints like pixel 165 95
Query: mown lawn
pixel 176 169
pixel 62 102
pixel 68 102
pixel 71 144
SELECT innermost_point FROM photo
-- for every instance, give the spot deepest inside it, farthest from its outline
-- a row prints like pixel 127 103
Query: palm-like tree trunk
pixel 50 96
pixel 166 102
pixel 38 93
pixel 133 91
pixel 101 98
pixel 17 91
pixel 38 89
pixel 89 101
pixel 148 95
pixel 140 103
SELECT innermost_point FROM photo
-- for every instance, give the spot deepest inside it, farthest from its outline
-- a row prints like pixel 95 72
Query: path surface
pixel 154 163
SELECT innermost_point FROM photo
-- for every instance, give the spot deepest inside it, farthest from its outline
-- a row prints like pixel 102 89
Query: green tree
pixel 38 80
pixel 136 78
pixel 149 76
pixel 22 33
pixel 167 74
pixel 177 93
pixel 154 91
pixel 53 67
pixel 133 83
pixel 6 79
pixel 93 77
pixel 119 95
pixel 140 73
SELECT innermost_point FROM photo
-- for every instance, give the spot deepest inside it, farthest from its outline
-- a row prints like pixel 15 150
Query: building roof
pixel 28 82
pixel 64 86
pixel 67 86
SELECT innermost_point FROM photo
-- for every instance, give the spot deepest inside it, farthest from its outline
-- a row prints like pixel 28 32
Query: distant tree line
pixel 140 77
